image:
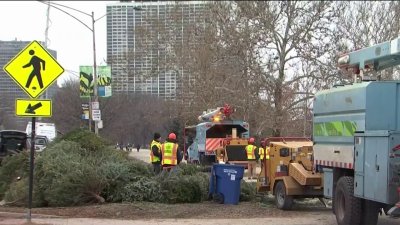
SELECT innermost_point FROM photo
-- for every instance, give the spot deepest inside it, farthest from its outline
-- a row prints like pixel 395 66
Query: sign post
pixel 34 70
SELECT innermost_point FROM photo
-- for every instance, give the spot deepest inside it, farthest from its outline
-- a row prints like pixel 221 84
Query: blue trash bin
pixel 225 183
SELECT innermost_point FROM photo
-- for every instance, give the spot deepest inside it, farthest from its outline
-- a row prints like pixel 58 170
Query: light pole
pixel 96 97
pixel 92 29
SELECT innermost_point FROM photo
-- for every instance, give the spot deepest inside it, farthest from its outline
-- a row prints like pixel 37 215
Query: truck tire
pixel 282 200
pixel 370 212
pixel 347 207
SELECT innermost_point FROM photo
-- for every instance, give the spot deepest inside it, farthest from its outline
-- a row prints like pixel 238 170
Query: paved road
pixel 143 154
pixel 308 218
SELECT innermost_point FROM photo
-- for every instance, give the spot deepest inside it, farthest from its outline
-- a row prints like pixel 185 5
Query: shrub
pixel 70 174
pixel 17 194
pixel 79 168
pixel 189 169
pixel 176 188
pixel 86 139
pixel 247 191
pixel 13 166
pixel 66 178
pixel 121 173
pixel 141 189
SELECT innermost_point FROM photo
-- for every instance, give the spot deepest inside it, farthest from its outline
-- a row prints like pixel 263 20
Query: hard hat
pixel 172 136
pixel 251 140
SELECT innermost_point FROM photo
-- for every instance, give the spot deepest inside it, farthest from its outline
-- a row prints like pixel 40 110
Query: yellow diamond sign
pixel 34 69
pixel 33 107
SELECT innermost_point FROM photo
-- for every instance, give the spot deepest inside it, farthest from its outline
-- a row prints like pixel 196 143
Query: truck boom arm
pixel 218 114
pixel 376 57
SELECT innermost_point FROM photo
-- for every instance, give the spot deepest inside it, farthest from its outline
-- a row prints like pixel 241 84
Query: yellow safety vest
pixel 250 151
pixel 261 152
pixel 154 158
pixel 169 153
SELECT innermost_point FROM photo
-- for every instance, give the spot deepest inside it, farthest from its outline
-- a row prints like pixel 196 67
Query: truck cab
pixel 203 140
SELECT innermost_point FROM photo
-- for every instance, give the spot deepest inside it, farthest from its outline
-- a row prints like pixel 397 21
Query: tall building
pixel 139 39
pixel 9 90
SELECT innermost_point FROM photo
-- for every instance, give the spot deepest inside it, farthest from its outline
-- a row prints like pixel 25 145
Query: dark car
pixel 12 142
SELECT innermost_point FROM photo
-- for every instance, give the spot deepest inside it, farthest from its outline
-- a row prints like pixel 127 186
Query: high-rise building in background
pixel 139 37
pixel 9 90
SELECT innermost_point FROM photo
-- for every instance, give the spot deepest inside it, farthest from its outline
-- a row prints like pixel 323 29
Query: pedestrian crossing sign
pixel 33 69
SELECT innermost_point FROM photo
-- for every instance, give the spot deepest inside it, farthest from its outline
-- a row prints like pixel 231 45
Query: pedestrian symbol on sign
pixel 36 63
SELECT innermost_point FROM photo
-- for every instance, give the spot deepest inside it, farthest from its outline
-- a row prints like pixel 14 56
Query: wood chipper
pixel 232 150
pixel 289 173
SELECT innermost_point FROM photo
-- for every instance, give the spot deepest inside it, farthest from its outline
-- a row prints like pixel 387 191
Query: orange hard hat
pixel 251 140
pixel 172 136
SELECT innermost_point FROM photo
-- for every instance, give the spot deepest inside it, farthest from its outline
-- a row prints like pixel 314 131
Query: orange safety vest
pixel 169 153
pixel 250 151
pixel 154 158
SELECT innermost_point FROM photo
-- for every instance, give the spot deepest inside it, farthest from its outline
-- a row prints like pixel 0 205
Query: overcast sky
pixel 26 21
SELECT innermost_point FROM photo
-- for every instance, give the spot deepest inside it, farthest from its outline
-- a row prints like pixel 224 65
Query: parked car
pixel 40 142
pixel 12 142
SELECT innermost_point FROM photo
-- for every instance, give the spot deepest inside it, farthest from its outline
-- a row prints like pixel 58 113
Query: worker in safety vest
pixel 261 152
pixel 155 153
pixel 252 156
pixel 170 156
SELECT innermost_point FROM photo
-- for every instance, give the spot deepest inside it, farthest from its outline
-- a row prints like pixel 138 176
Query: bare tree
pixel 126 117
pixel 257 55
pixel 67 107
pixel 366 23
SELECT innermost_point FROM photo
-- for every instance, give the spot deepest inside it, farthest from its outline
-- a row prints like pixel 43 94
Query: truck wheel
pixel 347 207
pixel 282 200
pixel 370 212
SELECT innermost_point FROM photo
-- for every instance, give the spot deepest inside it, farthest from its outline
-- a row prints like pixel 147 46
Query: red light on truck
pixel 396 148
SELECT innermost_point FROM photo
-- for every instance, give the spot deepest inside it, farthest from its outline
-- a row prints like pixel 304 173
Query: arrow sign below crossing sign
pixel 33 108
pixel 34 69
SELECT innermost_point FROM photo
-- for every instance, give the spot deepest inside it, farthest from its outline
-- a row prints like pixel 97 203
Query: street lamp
pixel 92 29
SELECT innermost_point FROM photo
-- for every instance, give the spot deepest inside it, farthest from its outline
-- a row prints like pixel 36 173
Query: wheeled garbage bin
pixel 225 183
